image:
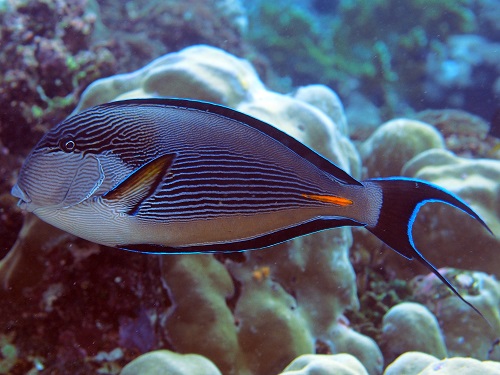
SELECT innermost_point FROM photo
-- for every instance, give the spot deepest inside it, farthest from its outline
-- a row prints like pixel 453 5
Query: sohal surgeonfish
pixel 183 176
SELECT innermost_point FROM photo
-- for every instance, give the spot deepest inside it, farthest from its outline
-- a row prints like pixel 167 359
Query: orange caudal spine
pixel 339 201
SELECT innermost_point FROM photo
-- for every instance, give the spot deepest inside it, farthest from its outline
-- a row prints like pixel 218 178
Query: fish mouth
pixel 24 198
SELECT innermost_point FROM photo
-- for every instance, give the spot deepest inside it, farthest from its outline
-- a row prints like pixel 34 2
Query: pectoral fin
pixel 143 182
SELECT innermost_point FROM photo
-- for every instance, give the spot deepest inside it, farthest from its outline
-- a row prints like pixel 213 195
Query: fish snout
pixel 24 198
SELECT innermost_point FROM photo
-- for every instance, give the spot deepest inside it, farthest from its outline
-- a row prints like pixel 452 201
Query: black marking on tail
pixel 402 199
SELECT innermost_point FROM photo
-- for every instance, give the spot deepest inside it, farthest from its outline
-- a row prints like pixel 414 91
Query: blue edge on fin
pixel 411 195
pixel 394 226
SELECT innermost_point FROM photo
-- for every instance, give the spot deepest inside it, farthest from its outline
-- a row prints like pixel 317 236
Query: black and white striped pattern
pixel 211 184
pixel 223 166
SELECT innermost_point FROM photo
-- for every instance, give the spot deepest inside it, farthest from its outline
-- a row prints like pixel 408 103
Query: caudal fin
pixel 402 199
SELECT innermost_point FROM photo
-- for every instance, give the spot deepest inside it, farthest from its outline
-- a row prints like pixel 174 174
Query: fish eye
pixel 67 144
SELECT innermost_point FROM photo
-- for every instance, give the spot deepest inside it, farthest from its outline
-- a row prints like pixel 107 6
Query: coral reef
pixel 464 134
pixel 410 327
pixel 339 49
pixel 227 308
pixel 142 29
pixel 76 307
pixel 365 349
pixel 47 61
pixel 188 73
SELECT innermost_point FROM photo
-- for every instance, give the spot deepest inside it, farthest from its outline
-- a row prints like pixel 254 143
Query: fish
pixel 180 176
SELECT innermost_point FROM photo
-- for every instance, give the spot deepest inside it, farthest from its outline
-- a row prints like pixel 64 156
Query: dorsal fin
pixel 140 184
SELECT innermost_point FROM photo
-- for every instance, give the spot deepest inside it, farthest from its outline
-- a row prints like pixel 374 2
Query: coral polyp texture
pixel 271 311
pixel 47 59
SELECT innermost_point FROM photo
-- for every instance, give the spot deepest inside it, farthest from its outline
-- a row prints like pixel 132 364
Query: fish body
pixel 180 176
pixel 216 178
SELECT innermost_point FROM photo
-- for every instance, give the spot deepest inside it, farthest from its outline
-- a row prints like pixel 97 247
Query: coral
pixel 410 363
pixel 377 289
pixel 415 363
pixel 474 338
pixel 464 134
pixel 352 49
pixel 327 101
pixel 51 50
pixel 338 364
pixel 189 73
pixel 437 226
pixel 462 69
pixel 365 349
pixel 14 264
pixel 69 300
pixel 396 142
pixel 411 327
pixel 251 313
pixel 143 29
pixel 167 362
pixel 46 60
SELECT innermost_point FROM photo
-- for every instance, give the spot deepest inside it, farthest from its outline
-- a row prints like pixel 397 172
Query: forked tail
pixel 402 199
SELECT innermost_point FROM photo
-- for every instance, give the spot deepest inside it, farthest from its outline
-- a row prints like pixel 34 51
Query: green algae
pixel 8 353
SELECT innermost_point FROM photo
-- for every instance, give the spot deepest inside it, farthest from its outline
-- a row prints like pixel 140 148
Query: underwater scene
pixel 146 146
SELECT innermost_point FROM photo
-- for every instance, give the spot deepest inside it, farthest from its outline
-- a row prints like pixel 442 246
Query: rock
pixel 327 101
pixel 466 333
